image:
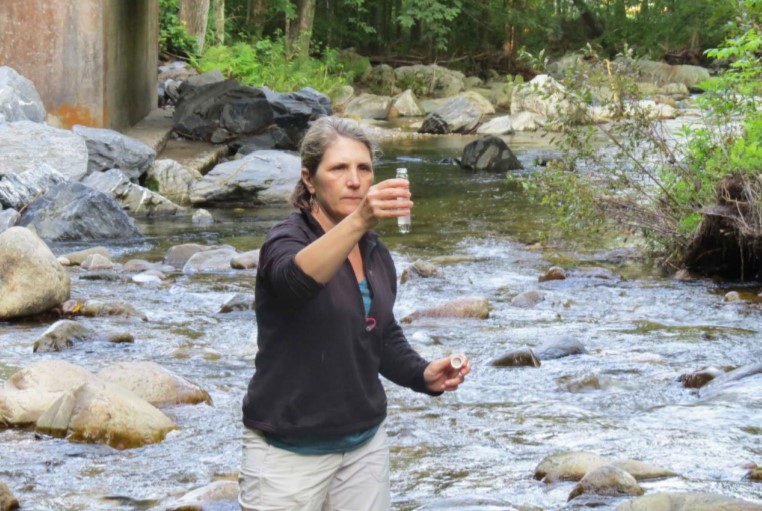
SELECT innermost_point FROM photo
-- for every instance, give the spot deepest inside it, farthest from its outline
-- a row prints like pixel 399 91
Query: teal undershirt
pixel 321 444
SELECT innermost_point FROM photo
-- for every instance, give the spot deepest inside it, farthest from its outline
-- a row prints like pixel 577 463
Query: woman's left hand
pixel 440 376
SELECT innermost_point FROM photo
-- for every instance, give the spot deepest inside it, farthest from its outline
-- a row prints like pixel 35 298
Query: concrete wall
pixel 93 61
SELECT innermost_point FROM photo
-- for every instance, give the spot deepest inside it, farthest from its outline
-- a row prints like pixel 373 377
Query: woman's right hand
pixel 387 199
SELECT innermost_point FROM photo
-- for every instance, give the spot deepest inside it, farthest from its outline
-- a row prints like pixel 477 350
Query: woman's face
pixel 341 181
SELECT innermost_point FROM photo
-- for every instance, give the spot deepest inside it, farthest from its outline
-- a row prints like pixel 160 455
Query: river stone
pixel 467 307
pixel 178 255
pixel 491 154
pixel 755 474
pixel 73 212
pixel 100 412
pixel 134 198
pixel 8 218
pixel 18 190
pixel 77 258
pixel 154 383
pixel 239 302
pixel 95 262
pixel 109 149
pixel 528 299
pixel 369 106
pixel 522 357
pixel 434 124
pixel 31 278
pixel 219 495
pixel 172 180
pixel 65 333
pixel 502 125
pixel 246 260
pixel 553 273
pixel 688 502
pixel 731 297
pixel 8 501
pixel 202 217
pixel 527 121
pixel 405 104
pixel 215 260
pixel 460 113
pixel 559 348
pixel 641 470
pixel 437 81
pixel 698 379
pixel 420 269
pixel 607 480
pixel 663 73
pixel 149 277
pixel 99 308
pixel 568 466
pixel 19 99
pixel 31 391
pixel 141 265
pixel 25 145
pixel 262 177
pixel 732 381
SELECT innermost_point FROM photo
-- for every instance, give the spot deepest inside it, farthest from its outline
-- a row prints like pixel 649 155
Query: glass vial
pixel 403 222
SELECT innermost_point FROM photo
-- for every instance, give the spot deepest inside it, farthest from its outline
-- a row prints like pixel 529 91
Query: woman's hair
pixel 318 138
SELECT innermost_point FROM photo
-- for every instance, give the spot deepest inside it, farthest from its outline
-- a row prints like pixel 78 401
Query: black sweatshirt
pixel 319 359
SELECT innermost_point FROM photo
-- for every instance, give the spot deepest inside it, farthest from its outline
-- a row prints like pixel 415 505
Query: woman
pixel 313 413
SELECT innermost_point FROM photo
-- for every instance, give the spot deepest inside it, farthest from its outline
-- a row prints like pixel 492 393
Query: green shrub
pixel 173 36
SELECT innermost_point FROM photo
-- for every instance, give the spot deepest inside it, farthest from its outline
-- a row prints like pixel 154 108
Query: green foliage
pixel 434 15
pixel 173 36
pixel 266 62
pixel 634 172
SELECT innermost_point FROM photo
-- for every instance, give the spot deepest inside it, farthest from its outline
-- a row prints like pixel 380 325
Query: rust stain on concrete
pixel 68 115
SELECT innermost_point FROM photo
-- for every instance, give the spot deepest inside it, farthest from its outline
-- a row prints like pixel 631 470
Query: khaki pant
pixel 274 479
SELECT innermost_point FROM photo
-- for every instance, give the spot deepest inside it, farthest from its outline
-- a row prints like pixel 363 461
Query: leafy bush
pixel 173 36
pixel 266 62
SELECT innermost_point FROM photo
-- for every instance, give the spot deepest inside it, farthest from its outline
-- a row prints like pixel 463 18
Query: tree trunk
pixel 300 32
pixel 195 15
pixel 594 27
pixel 255 17
pixel 219 22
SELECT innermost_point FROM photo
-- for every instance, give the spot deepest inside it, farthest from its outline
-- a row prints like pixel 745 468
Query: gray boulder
pixel 172 180
pixel 18 190
pixel 559 348
pixel 135 199
pixel 64 334
pixel 72 211
pixel 497 126
pixel 31 278
pixel 19 99
pixel 216 260
pixel 688 502
pixel 431 80
pixel 178 255
pixel 239 302
pixel 567 466
pixel 491 154
pixel 369 106
pixel 154 383
pixel 461 113
pixel 663 73
pixel 24 145
pixel 522 357
pixel 262 177
pixel 8 218
pixel 109 149
pixel 405 104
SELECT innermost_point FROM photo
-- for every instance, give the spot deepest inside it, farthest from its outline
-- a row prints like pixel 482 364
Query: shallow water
pixel 473 449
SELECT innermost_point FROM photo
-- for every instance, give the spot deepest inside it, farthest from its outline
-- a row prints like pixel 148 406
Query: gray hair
pixel 321 134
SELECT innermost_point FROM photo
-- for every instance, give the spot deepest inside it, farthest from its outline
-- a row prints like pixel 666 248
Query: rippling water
pixel 473 449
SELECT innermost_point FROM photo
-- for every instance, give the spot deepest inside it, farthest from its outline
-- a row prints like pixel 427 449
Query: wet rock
pixel 77 258
pixel 698 379
pixel 272 138
pixel 239 302
pixel 172 180
pixel 96 262
pixel 559 348
pixel 178 255
pixel 583 383
pixel 219 495
pixel 688 501
pixel 19 99
pixel 216 260
pixel 437 81
pixel 522 357
pixel 100 412
pixel 8 218
pixel 65 333
pixel 467 307
pixel 154 383
pixel 202 217
pixel 31 278
pixel 435 125
pixel 104 275
pixel 109 149
pixel 553 273
pixel 73 212
pixel 732 381
pixel 475 503
pixel 502 125
pixel 18 190
pixel 607 480
pixel 100 308
pixel 25 145
pixel 141 265
pixel 246 260
pixel 490 154
pixel 422 269
pixel 460 114
pixel 731 297
pixel 149 277
pixel 369 106
pixel 405 104
pixel 31 391
pixel 755 474
pixel 568 466
pixel 595 273
pixel 8 501
pixel 642 471
pixel 528 299
pixel 132 197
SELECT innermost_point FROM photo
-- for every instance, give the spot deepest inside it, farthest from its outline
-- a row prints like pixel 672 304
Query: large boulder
pixel 18 190
pixel 542 95
pixel 31 391
pixel 211 261
pixel 502 125
pixel 19 99
pixel 31 278
pixel 405 104
pixel 172 180
pixel 109 149
pixel 293 111
pixel 72 211
pixel 741 380
pixel 154 383
pixel 567 466
pixel 100 412
pixel 430 80
pixel 688 502
pixel 262 177
pixel 369 106
pixel 25 145
pixel 607 480
pixel 663 73
pixel 489 153
pixel 461 114
pixel 8 501
pixel 135 199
